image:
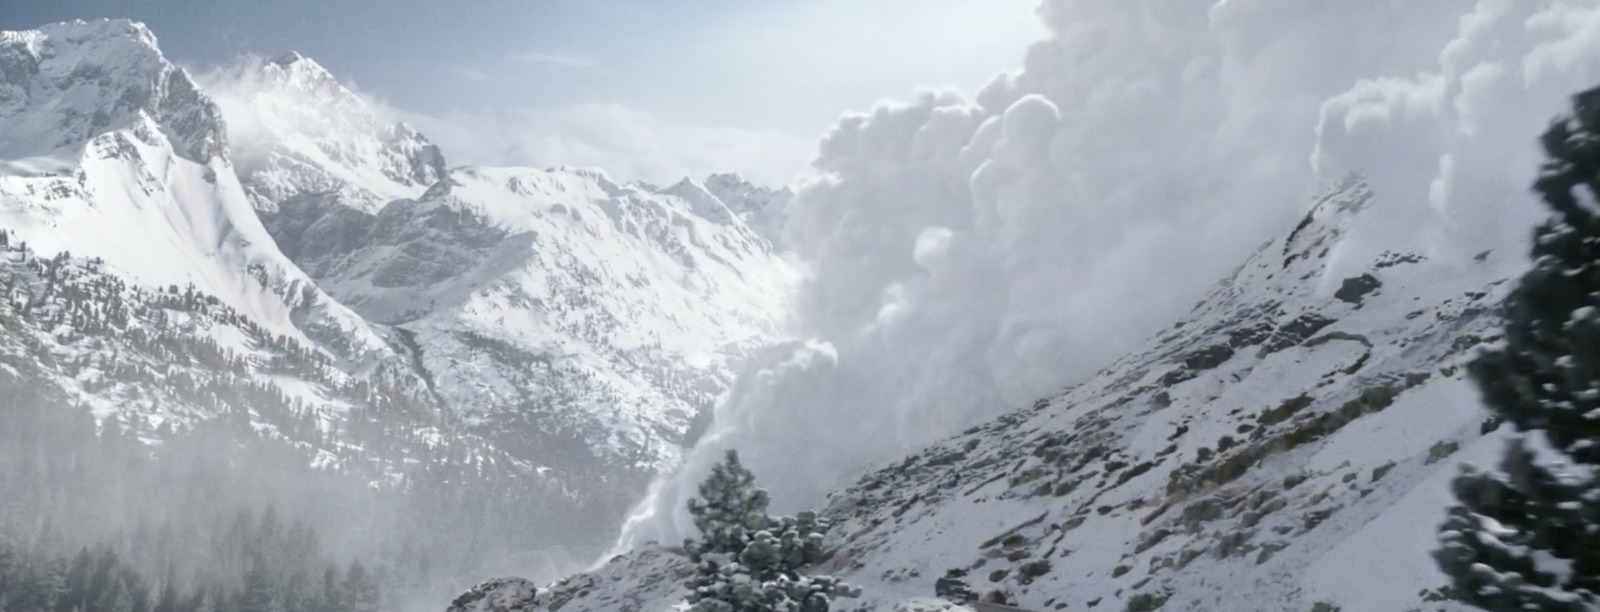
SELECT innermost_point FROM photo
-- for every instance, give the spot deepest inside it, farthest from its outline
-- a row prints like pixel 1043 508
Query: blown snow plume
pixel 968 256
pixel 297 130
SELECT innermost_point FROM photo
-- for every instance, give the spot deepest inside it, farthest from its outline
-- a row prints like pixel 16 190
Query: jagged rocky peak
pixel 763 209
pixel 297 130
pixel 66 83
pixel 726 197
pixel 565 178
pixel 302 71
pixel 743 196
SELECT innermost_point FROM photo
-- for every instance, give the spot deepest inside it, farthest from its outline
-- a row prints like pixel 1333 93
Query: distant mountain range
pixel 569 319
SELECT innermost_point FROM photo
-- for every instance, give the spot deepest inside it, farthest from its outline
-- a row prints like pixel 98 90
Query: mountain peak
pixel 77 80
pixel 727 178
pixel 289 58
pixel 762 208
pixel 297 71
pixel 298 130
pixel 101 30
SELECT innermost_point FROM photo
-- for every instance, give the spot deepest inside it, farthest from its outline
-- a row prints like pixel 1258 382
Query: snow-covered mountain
pixel 296 130
pixel 603 312
pixel 119 157
pixel 557 311
pixel 763 209
pixel 1286 446
pixel 569 320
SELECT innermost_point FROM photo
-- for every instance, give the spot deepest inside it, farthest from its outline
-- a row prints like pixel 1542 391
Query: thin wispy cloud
pixel 555 58
pixel 626 142
pixel 470 74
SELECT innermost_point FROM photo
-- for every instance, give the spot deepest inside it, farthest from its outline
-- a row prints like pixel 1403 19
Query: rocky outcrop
pixel 1353 289
pixel 500 595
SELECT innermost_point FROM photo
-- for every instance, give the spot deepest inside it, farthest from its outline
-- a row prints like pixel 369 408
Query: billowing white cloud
pixel 966 257
pixel 627 143
pixel 1452 147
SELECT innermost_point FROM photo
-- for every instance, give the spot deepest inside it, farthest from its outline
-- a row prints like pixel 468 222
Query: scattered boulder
pixel 1232 544
pixel 1294 332
pixel 1032 569
pixel 1439 451
pixel 1383 470
pixel 1208 358
pixel 499 595
pixel 1146 602
pixel 1353 289
pixel 1201 512
pixel 1151 540
pixel 1285 410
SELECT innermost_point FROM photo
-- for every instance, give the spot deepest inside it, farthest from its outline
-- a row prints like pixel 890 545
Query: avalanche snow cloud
pixel 968 256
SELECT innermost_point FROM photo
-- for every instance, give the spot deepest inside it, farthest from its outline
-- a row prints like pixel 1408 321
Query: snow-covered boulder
pixel 499 595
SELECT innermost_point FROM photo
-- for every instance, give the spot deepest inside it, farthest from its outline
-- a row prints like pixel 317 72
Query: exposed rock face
pixel 764 210
pixel 1353 289
pixel 66 83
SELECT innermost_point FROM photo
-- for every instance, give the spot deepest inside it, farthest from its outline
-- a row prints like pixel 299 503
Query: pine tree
pixel 259 593
pixel 747 561
pixel 730 506
pixel 1529 538
pixel 361 590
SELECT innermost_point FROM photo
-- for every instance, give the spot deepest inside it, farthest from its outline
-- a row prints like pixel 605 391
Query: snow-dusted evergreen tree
pixel 1529 538
pixel 749 561
pixel 730 507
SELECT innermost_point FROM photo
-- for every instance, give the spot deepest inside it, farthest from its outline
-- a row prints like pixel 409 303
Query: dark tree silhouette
pixel 1529 538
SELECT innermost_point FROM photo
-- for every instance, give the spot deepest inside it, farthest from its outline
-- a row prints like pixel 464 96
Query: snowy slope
pixel 601 315
pixel 1287 444
pixel 572 318
pixel 575 321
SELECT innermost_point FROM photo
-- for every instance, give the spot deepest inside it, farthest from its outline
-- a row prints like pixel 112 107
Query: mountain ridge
pixel 324 263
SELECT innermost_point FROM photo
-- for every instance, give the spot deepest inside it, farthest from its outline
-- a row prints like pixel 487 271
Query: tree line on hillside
pixel 257 567
pixel 188 432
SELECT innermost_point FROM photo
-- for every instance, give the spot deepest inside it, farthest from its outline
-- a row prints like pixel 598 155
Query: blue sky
pixel 779 69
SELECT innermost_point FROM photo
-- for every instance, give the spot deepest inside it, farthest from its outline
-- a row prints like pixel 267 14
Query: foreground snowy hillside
pixel 1285 447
